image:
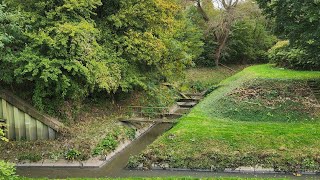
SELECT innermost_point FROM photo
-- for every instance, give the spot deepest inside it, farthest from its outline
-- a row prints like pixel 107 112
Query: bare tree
pixel 198 4
pixel 222 27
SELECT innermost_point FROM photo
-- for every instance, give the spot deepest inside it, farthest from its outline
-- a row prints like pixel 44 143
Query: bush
pixel 284 55
pixel 249 43
pixel 130 133
pixel 7 171
pixel 2 135
pixel 302 31
pixel 109 143
pixel 72 154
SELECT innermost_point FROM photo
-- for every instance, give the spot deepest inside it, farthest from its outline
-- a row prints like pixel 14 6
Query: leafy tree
pixel 157 39
pixel 70 49
pixel 249 38
pixel 11 41
pixel 235 34
pixel 299 22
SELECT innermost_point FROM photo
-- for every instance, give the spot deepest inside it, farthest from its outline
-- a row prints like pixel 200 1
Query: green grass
pixel 276 127
pixel 169 178
pixel 199 79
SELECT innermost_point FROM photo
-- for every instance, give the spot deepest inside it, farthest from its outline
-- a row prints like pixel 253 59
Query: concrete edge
pixel 249 170
pixel 90 163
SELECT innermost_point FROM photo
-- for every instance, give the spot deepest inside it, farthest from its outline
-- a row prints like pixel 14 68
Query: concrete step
pixel 182 110
pixel 186 104
pixel 173 115
pixel 158 120
pixel 189 100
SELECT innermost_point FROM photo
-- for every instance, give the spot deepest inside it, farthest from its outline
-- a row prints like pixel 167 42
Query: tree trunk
pixel 222 41
pixel 201 11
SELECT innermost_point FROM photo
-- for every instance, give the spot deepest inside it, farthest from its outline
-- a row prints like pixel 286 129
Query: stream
pixel 116 166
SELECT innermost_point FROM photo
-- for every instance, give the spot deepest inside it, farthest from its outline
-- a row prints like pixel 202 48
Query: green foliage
pixel 109 143
pixel 206 59
pixel 67 50
pixel 249 42
pixel 10 41
pixel 293 58
pixel 2 134
pixel 159 97
pixel 301 31
pixel 72 154
pixel 33 157
pixel 249 38
pixel 130 133
pixel 7 171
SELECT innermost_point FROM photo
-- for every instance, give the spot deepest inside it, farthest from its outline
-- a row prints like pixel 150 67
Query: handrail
pixel 27 108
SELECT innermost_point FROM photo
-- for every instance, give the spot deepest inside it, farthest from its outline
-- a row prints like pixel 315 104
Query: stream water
pixel 116 167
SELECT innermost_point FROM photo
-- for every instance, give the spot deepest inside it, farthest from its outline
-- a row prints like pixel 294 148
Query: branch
pixel 202 12
pixel 224 4
pixel 235 3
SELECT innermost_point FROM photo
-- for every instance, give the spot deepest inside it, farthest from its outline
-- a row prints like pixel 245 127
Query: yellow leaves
pixel 2 135
pixel 107 78
pixel 144 46
pixel 168 5
pixel 169 10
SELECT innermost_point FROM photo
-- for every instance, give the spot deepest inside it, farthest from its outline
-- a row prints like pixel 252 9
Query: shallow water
pixel 116 167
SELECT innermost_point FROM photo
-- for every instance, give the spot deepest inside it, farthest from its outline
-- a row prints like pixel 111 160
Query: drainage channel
pixel 116 167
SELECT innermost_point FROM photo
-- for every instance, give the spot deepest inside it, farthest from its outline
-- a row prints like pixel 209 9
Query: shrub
pixel 72 154
pixel 298 21
pixel 130 133
pixel 284 55
pixel 109 143
pixel 7 170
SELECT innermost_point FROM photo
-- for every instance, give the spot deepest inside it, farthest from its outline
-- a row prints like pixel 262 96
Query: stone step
pixel 162 120
pixel 189 100
pixel 186 104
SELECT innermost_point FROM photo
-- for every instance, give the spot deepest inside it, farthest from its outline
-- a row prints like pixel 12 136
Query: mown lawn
pixel 262 116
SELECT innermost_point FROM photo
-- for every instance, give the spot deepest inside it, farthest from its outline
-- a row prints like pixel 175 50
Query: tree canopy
pixel 68 49
pixel 299 22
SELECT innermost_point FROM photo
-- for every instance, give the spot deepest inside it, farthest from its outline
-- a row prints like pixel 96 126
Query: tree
pixel 11 41
pixel 219 25
pixel 251 36
pixel 71 49
pixel 299 22
pixel 222 27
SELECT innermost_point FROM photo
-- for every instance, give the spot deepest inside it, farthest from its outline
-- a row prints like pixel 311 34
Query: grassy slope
pixel 169 178
pixel 205 139
pixel 210 76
